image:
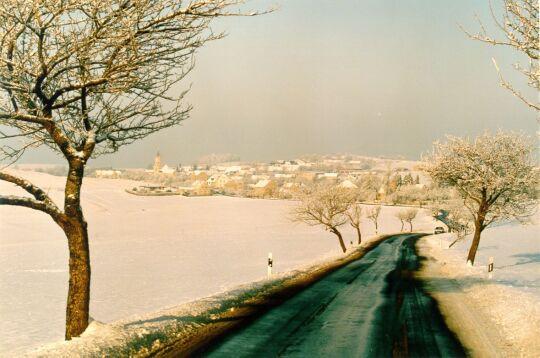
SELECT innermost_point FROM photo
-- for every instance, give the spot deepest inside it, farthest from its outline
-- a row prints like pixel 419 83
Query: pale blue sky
pixel 375 77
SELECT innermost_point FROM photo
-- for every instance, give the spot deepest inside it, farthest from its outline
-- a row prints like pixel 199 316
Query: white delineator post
pixel 490 267
pixel 270 264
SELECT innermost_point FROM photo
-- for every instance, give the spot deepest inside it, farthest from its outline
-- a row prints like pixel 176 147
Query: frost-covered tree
pixel 369 184
pixel 400 215
pixel 519 25
pixel 325 205
pixel 406 216
pixel 84 78
pixel 409 215
pixel 373 215
pixel 494 174
pixel 408 179
pixel 355 218
pixel 394 182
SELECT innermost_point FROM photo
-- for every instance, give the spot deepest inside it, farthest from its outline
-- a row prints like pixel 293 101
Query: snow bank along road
pixel 373 307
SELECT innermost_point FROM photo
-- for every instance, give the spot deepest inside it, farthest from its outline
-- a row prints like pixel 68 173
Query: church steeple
pixel 157 163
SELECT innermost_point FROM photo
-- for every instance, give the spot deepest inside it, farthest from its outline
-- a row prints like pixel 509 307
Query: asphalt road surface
pixel 373 307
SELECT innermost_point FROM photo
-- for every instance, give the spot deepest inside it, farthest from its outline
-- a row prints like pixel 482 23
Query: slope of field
pixel 147 253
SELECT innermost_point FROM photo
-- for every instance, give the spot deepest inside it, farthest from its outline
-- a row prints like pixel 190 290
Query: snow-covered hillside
pixel 147 253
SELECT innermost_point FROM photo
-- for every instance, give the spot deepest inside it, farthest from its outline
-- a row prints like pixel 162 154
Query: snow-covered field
pixel 510 296
pixel 147 253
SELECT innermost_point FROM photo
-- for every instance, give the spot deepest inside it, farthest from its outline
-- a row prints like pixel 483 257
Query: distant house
pixel 167 170
pixel 211 179
pixel 291 166
pixel 381 194
pixel 234 169
pixel 275 168
pixel 303 163
pixel 264 188
pixel 284 176
pixel 348 185
pixel 328 176
pixel 218 181
pixel 108 173
pixel 260 177
pixel 333 161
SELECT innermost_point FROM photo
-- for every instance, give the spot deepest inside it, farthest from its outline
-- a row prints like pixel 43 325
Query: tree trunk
pixel 78 299
pixel 75 228
pixel 402 224
pixel 478 227
pixel 410 223
pixel 359 235
pixel 340 238
pixel 475 242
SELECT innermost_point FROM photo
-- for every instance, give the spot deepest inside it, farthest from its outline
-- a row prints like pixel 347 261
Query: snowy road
pixel 372 307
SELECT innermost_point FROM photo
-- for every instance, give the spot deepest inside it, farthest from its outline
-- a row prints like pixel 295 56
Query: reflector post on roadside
pixel 270 264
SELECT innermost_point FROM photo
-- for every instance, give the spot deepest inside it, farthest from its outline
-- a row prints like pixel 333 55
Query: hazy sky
pixel 375 77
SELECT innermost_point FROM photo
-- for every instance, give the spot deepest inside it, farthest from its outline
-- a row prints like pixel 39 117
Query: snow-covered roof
pixel 167 170
pixel 348 184
pixel 262 183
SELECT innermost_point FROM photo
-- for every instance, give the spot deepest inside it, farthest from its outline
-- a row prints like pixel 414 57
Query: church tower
pixel 157 163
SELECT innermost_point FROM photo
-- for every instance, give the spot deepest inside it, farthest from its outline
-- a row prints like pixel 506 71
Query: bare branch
pixel 520 26
pixel 36 192
pixel 25 202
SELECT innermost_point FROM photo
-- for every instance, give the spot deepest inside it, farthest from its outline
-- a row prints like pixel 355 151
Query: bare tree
pixel 373 215
pixel 85 77
pixel 409 215
pixel 519 24
pixel 495 175
pixel 355 218
pixel 327 206
pixel 400 215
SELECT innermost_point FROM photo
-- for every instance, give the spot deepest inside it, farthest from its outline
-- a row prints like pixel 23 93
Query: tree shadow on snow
pixel 446 284
pixel 530 258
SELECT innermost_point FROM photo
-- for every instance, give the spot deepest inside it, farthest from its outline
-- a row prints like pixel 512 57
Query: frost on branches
pixel 408 216
pixel 373 215
pixel 328 206
pixel 85 77
pixel 519 26
pixel 355 219
pixel 495 175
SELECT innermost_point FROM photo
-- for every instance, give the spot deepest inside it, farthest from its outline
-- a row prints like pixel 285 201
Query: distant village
pixel 379 180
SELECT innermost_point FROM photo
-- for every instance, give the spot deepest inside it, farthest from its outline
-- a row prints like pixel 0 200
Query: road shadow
pixel 202 319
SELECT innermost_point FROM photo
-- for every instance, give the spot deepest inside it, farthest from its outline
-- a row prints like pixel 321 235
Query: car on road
pixel 438 230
